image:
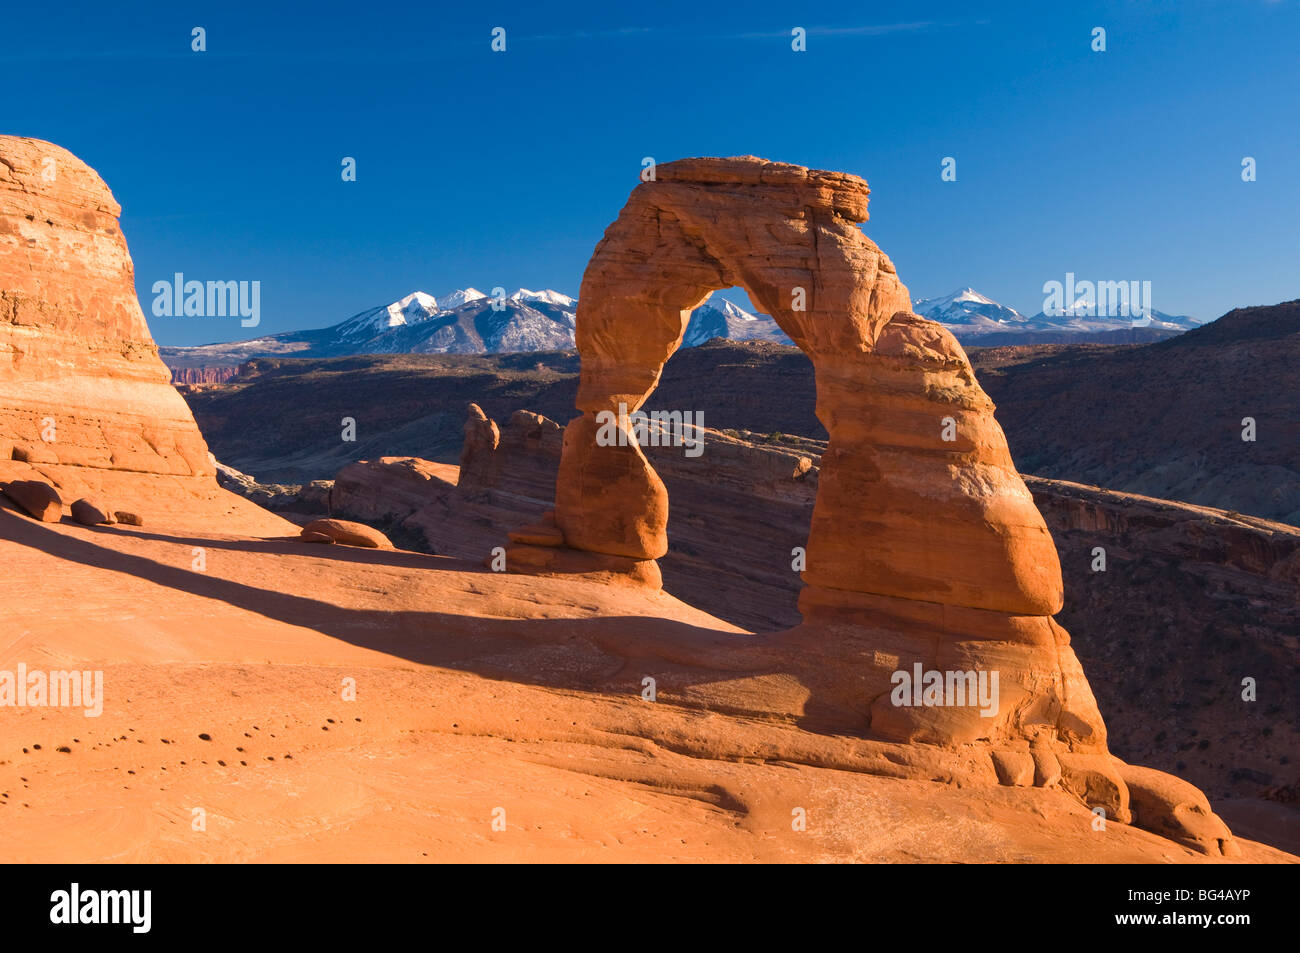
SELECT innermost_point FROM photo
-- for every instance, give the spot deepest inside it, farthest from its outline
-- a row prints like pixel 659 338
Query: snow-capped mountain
pixel 718 318
pixel 454 300
pixel 1083 317
pixel 548 297
pixel 969 311
pixel 975 318
pixel 466 321
pixel 412 309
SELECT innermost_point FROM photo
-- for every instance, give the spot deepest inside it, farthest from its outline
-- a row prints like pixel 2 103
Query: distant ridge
pixel 976 319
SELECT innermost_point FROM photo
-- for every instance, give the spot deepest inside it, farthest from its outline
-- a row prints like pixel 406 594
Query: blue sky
pixel 485 169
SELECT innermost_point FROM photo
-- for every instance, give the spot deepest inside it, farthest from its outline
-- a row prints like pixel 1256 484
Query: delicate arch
pixel 901 511
pixel 926 553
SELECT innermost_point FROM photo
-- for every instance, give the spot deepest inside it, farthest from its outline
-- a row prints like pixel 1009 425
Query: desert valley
pixel 466 627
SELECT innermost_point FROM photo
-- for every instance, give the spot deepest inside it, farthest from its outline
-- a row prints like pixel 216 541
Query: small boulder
pixel 348 533
pixel 128 518
pixel 91 513
pixel 39 499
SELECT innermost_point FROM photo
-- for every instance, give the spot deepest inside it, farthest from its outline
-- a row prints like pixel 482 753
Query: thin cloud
pixel 878 29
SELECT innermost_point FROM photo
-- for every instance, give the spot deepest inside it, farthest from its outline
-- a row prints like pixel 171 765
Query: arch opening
pixel 740 502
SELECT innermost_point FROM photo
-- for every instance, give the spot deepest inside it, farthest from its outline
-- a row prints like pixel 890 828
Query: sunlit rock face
pixel 85 402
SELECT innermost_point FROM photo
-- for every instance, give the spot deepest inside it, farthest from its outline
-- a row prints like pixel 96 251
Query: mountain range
pixel 974 318
pixel 467 321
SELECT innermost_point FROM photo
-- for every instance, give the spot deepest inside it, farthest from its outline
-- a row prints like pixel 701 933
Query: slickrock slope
pixel 739 510
pixel 85 402
pixel 479 697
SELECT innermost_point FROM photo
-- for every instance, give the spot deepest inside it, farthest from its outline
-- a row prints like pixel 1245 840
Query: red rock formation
pixel 91 512
pixel 85 402
pixel 38 499
pixel 926 552
pixel 888 381
pixel 345 532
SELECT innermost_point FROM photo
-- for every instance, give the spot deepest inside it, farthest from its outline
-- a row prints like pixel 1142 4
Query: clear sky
pixel 485 169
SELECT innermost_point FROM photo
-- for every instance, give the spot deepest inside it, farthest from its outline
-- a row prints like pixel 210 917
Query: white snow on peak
pixel 457 298
pixel 548 296
pixel 968 308
pixel 970 294
pixel 414 303
pixel 366 323
pixel 962 296
pixel 414 307
pixel 728 309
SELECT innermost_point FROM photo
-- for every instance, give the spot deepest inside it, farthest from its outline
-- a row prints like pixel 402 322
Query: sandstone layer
pixel 85 402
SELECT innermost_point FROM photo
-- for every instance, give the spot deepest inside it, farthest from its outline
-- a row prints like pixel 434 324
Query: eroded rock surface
pixel 85 402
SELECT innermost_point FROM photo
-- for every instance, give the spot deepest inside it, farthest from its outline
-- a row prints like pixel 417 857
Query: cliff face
pixel 1191 603
pixel 85 402
pixel 202 375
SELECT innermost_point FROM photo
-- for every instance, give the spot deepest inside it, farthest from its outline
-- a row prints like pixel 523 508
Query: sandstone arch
pixel 900 512
pixel 922 551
